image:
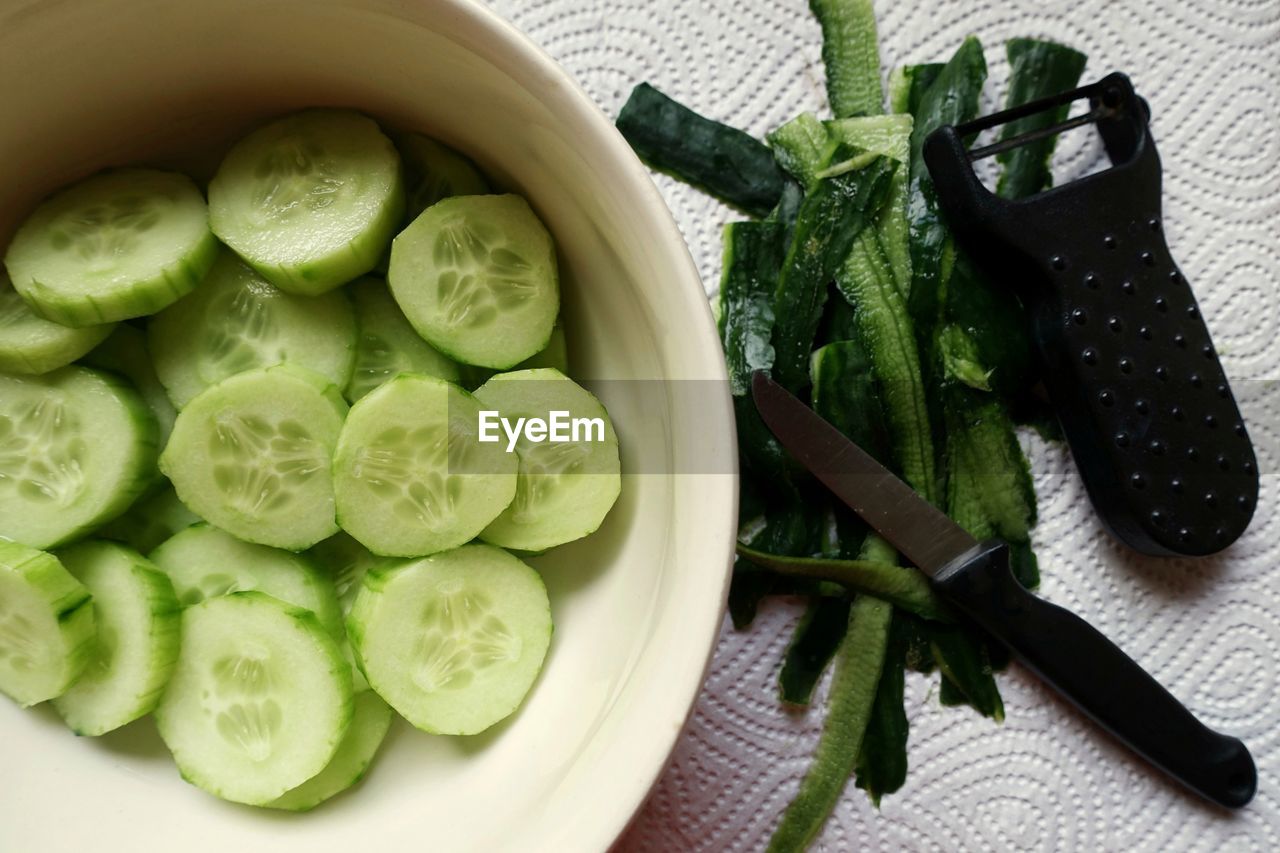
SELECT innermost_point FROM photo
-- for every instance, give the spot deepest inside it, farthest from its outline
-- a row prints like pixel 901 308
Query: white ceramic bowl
pixel 637 606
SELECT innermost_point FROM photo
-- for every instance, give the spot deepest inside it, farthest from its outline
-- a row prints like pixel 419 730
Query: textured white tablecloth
pixel 1208 629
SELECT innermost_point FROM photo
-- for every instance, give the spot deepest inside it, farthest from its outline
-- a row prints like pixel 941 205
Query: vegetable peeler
pixel 1125 355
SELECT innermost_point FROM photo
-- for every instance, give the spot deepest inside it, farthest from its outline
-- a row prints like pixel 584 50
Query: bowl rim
pixel 634 181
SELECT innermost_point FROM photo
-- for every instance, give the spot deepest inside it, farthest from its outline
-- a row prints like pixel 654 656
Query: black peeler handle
pixel 1098 678
pixel 1124 353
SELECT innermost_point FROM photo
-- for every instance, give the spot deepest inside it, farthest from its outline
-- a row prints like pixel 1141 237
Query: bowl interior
pixel 636 606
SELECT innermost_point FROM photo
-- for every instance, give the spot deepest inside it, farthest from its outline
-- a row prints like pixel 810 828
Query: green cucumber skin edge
pixel 830 219
pixel 858 666
pixel 166 615
pixel 726 162
pixel 851 56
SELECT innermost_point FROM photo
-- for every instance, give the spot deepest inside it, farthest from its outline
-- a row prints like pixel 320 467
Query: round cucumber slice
pixel 238 321
pixel 347 562
pixel 476 276
pixel 253 453
pixel 351 761
pixel 204 562
pixel 260 699
pixel 565 489
pixel 434 171
pixel 388 345
pixel 310 200
pixel 76 448
pixel 151 520
pixel 138 623
pixel 46 625
pixel 125 354
pixel 30 344
pixel 410 474
pixel 120 244
pixel 454 641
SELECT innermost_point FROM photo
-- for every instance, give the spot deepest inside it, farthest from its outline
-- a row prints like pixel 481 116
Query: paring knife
pixel 1065 651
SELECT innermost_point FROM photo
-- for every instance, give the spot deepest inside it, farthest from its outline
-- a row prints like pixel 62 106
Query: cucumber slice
pixel 356 752
pixel 259 701
pixel 410 474
pixel 31 344
pixel 565 489
pixel 46 625
pixel 76 448
pixel 388 344
pixel 125 354
pixel 454 641
pixel 347 562
pixel 476 276
pixel 310 200
pixel 138 622
pixel 150 521
pixel 555 354
pixel 253 454
pixel 433 171
pixel 238 321
pixel 204 562
pixel 120 244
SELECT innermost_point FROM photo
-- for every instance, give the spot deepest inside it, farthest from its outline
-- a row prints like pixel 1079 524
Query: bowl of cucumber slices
pixel 266 583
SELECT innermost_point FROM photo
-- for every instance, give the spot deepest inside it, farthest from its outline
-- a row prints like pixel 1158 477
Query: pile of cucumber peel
pixel 848 288
pixel 242 485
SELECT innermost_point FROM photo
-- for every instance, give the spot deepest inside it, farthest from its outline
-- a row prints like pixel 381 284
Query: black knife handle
pixel 1098 678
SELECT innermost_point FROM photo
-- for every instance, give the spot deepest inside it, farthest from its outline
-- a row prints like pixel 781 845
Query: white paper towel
pixel 1207 629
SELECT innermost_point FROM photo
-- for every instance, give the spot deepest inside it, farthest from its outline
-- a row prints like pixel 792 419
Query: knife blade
pixel 1069 654
pixel 924 534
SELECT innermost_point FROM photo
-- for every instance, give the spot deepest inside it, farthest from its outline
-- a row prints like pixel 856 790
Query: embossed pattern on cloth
pixel 1208 629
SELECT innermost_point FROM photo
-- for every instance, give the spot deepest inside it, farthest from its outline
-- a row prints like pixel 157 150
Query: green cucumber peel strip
pixel 846 395
pixel 816 639
pixel 882 761
pixel 961 360
pixel 790 529
pixel 990 492
pixel 1038 69
pixel 968 672
pixel 952 98
pixel 853 689
pixel 753 255
pixel 907 84
pixel 731 165
pixel 992 320
pixel 851 56
pixel 834 212
pixel 904 587
pixel 877 550
pixel 874 279
pixel 802 146
pixel 823 627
